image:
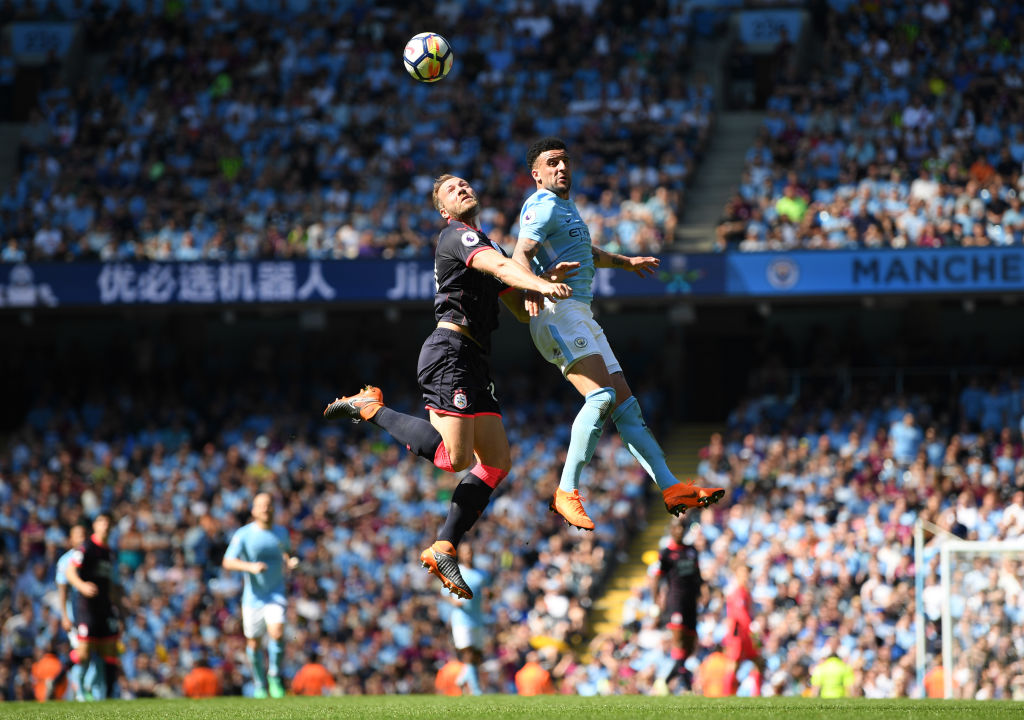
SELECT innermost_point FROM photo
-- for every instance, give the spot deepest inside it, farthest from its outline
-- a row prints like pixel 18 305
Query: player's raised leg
pixel 439 445
pixel 629 421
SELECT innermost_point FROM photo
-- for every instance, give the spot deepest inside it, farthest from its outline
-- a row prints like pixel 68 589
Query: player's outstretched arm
pixel 515 275
pixel 255 568
pixel 641 265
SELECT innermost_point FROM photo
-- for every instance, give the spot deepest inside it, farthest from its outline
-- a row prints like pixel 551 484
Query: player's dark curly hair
pixel 541 146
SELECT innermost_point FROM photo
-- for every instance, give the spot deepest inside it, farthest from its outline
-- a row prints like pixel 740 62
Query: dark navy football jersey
pixel 95 564
pixel 680 568
pixel 466 296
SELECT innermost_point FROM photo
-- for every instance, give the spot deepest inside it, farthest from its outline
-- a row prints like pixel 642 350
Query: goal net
pixel 972 594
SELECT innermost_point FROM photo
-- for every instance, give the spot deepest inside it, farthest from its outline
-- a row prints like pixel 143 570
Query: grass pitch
pixel 494 707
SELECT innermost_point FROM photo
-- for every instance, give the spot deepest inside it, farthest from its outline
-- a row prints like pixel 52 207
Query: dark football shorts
pixel 681 611
pixel 95 622
pixel 454 376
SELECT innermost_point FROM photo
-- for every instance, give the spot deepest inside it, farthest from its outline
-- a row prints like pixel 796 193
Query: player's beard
pixel 469 215
pixel 558 189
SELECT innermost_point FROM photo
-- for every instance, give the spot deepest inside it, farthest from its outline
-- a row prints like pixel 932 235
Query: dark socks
pixel 415 433
pixel 468 502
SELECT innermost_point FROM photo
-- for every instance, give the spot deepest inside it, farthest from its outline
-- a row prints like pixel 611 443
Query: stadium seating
pixel 822 507
pixel 235 137
pixel 359 509
pixel 900 138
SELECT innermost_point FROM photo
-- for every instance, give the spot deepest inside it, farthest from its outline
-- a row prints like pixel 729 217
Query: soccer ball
pixel 428 57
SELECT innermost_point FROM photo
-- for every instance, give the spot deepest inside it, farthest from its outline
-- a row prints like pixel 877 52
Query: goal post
pixel 952 549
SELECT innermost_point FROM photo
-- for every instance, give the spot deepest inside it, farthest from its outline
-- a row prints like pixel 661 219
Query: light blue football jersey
pixel 556 225
pixel 62 579
pixel 254 544
pixel 470 613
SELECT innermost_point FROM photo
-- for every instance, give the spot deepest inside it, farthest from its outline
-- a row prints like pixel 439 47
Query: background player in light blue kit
pixel 66 598
pixel 566 334
pixel 260 550
pixel 468 623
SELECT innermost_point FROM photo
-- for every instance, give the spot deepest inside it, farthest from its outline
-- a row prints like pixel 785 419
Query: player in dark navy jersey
pixel 679 573
pixel 92 573
pixel 465 428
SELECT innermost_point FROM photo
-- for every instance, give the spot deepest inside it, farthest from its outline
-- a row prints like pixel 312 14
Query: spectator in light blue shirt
pixel 906 439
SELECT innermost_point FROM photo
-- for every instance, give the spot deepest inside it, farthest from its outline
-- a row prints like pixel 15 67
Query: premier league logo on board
pixel 460 400
pixel 782 274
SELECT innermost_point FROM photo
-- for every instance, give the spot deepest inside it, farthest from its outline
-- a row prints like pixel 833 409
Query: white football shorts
pixel 467 636
pixel 256 619
pixel 566 332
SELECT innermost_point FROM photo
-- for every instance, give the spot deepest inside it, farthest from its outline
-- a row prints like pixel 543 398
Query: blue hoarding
pixel 730 275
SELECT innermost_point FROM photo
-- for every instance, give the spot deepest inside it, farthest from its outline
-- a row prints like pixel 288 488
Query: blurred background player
pixel 566 334
pixel 260 551
pixel 465 428
pixel 739 612
pixel 67 597
pixel 676 588
pixel 91 574
pixel 468 624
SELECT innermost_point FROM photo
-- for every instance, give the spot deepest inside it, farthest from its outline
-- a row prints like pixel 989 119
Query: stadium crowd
pixel 181 479
pixel 822 500
pixel 908 133
pixel 821 515
pixel 285 132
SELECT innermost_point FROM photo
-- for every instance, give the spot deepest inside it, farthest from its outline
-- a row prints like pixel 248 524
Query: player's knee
pixel 461 459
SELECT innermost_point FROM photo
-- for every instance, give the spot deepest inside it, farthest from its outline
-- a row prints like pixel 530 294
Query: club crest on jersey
pixel 470 238
pixel 580 342
pixel 460 400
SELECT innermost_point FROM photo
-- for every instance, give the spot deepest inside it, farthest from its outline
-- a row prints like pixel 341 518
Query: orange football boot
pixel 361 406
pixel 685 495
pixel 439 559
pixel 570 506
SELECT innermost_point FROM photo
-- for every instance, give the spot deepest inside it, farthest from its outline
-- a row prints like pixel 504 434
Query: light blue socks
pixel 586 431
pixel 469 676
pixel 275 649
pixel 255 656
pixel 641 443
pixel 95 677
pixel 75 675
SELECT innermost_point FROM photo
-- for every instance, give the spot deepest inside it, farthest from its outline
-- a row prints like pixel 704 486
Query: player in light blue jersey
pixel 566 334
pixel 260 550
pixel 66 599
pixel 468 623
